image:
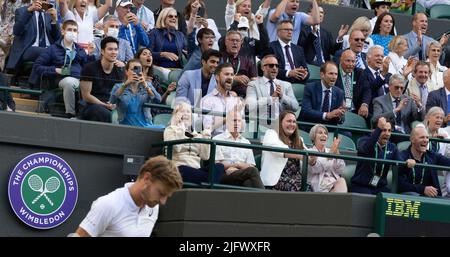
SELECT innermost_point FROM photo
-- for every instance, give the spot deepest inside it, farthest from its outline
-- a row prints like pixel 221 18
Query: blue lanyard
pixel 131 39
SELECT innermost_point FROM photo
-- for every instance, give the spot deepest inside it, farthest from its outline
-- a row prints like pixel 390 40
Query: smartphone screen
pixel 201 12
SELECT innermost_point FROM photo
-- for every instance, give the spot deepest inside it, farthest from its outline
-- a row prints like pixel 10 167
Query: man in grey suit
pixel 417 40
pixel 267 96
pixel 195 84
pixel 397 107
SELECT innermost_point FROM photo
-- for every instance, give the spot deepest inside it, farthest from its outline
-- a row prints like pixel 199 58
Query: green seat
pixel 161 77
pixel 258 161
pixel 171 98
pixel 420 8
pixel 440 11
pixel 314 72
pixel 349 171
pixel 346 142
pixel 415 123
pixel 174 75
pixel 162 119
pixel 354 121
pixel 403 145
pixel 298 92
pixel 305 135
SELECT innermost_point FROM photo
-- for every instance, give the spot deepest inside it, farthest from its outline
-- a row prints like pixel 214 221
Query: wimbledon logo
pixel 43 190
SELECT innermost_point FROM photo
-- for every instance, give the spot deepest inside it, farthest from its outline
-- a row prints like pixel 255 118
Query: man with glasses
pixel 267 96
pixel 292 60
pixel 356 41
pixel 397 107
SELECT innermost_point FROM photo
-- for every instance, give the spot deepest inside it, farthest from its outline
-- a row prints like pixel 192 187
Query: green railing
pixel 21 90
pixel 214 143
pixel 336 128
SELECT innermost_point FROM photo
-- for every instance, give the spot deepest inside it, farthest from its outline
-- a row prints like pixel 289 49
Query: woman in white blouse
pixel 398 48
pixel 244 7
pixel 324 174
pixel 188 156
pixel 282 171
pixel 434 50
pixel 433 123
pixel 85 16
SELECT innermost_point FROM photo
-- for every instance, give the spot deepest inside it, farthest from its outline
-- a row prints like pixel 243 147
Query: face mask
pixel 71 36
pixel 113 32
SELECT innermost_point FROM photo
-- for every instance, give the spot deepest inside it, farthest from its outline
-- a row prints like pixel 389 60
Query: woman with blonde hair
pixel 434 51
pixel 166 42
pixel 188 156
pixel 282 171
pixel 324 174
pixel 244 7
pixel 361 23
pixel 399 65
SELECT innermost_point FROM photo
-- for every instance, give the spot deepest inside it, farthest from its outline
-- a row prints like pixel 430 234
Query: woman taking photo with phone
pixel 131 95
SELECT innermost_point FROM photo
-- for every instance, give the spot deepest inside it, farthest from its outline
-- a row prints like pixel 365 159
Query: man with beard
pixel 322 101
pixel 267 96
pixel 196 84
pixel 132 211
pixel 97 80
pixel 221 100
pixel 418 180
pixel 417 40
pixel 371 177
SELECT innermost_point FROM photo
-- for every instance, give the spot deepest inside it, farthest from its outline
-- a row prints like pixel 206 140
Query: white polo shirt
pixel 116 215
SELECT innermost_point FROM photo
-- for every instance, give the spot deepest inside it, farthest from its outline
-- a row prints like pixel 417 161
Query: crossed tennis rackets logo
pixel 52 185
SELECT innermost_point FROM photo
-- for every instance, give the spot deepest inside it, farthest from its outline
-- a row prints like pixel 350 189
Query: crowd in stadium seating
pixel 117 64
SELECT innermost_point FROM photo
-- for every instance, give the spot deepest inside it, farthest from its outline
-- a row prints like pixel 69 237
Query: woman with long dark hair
pixel 383 32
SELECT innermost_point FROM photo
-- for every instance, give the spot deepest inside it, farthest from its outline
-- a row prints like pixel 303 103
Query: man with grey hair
pixel 111 26
pixel 377 71
pixel 397 107
pixel 441 98
pixel 267 96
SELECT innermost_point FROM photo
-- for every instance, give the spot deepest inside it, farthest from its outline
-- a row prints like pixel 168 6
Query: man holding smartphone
pixel 35 29
pixel 130 30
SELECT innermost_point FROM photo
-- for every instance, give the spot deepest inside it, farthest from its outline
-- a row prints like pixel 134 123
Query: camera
pixel 137 70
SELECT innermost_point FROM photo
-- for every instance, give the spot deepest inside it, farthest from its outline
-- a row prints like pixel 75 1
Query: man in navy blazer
pixel 328 45
pixel 420 181
pixel 440 98
pixel 313 109
pixel 28 44
pixel 377 71
pixel 293 67
pixel 359 96
pixel 195 84
pixel 356 41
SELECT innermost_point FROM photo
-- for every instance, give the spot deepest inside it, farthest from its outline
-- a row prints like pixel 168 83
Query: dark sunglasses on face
pixel 271 65
pixel 359 39
pixel 399 87
pixel 170 16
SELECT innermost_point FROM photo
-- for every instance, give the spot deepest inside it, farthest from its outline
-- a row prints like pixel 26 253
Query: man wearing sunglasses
pixel 267 96
pixel 131 29
pixel 356 41
pixel 398 107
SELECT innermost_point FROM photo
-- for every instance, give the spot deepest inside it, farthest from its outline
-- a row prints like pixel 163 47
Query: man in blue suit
pixel 417 40
pixel 441 98
pixel 293 67
pixel 195 84
pixel 322 101
pixel 35 28
pixel 356 41
pixel 377 71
